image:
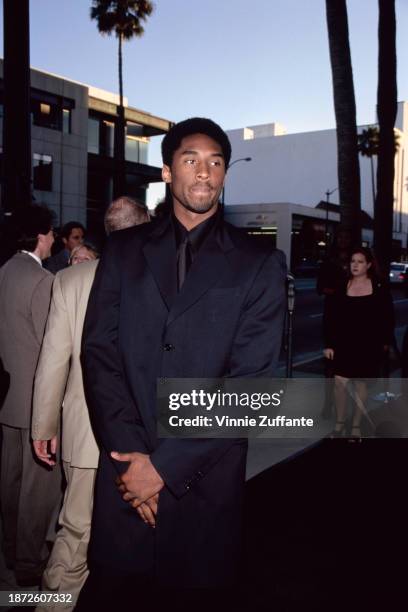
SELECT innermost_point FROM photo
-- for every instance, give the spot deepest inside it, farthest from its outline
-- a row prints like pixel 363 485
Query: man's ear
pixel 166 174
pixel 65 241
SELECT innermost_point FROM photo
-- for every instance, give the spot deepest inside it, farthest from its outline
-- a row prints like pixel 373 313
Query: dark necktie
pixel 183 261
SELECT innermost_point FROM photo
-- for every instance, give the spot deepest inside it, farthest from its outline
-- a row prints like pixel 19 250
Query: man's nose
pixel 203 171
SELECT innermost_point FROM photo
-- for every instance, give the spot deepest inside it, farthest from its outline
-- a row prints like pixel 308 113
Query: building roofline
pixel 108 102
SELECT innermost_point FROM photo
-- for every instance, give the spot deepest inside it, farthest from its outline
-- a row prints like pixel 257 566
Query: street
pixel 308 319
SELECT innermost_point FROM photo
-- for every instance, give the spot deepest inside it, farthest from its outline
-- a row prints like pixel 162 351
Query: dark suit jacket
pixel 57 262
pixel 226 321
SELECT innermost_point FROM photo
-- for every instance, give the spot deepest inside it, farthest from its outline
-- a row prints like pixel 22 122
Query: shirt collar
pixel 198 234
pixel 33 255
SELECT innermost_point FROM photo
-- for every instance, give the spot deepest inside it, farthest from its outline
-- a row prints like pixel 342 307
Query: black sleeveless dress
pixel 357 328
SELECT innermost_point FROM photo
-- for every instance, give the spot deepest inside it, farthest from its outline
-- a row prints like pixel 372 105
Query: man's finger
pixel 40 449
pixel 121 456
pixel 152 504
pixel 145 511
pixel 141 512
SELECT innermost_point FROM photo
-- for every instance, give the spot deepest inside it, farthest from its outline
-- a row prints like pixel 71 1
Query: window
pixel 66 120
pixel 42 172
pixel 51 111
pixel 143 147
pixel 100 136
pixel 106 138
pixel 45 114
pixel 93 135
pixel 136 144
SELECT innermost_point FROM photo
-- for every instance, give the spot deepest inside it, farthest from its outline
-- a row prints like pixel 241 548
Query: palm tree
pixel 124 19
pixel 368 145
pixel 387 112
pixel 16 166
pixel 348 168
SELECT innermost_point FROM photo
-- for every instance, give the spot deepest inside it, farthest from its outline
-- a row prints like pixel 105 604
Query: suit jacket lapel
pixel 207 268
pixel 160 254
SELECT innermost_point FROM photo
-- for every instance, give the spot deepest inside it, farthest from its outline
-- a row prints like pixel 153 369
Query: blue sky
pixel 239 62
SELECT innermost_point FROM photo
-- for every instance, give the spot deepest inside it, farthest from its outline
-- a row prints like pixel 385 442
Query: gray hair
pixel 125 212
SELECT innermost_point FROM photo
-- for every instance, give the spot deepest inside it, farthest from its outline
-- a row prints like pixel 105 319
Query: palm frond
pixel 122 17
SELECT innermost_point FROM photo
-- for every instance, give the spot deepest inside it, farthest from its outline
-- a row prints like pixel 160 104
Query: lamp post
pixel 245 159
pixel 326 232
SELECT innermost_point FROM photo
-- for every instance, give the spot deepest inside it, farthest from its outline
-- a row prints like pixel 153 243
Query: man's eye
pixel 190 161
pixel 216 163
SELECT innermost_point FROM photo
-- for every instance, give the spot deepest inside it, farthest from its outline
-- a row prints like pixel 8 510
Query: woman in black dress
pixel 358 328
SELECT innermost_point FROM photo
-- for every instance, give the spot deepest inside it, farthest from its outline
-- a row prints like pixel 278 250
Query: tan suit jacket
pixel 25 292
pixel 58 380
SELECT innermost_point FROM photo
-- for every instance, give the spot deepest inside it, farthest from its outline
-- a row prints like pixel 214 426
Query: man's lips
pixel 201 189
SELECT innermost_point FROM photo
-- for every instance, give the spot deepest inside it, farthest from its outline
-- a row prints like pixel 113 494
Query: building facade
pixel 300 169
pixel 72 135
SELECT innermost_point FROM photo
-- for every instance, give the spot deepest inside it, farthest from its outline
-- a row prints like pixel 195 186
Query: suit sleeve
pixel 40 304
pixel 111 407
pixel 254 353
pixel 53 367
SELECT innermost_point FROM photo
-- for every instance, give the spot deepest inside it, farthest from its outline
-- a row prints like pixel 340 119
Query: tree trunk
pixel 387 112
pixel 348 168
pixel 16 124
pixel 119 178
pixel 372 179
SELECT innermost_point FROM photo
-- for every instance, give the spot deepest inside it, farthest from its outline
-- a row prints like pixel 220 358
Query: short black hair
pixel 195 125
pixel 30 221
pixel 68 227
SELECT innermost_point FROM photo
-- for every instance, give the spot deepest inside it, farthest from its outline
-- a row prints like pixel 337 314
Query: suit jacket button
pixel 168 347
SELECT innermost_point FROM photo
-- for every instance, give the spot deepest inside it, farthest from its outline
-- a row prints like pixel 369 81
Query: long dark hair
pixel 373 271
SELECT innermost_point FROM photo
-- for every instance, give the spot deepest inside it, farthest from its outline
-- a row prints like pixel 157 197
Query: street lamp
pixel 326 236
pixel 245 159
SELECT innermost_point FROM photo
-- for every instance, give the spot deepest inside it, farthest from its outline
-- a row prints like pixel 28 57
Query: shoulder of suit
pixel 251 245
pixel 22 263
pixel 137 233
pixel 78 274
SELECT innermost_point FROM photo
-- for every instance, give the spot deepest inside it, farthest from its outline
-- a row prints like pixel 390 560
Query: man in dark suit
pixel 188 296
pixel 72 236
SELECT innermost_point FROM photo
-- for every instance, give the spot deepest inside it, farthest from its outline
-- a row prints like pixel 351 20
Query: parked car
pixel 398 272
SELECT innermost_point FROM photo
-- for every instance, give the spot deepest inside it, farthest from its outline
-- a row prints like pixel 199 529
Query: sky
pixel 240 63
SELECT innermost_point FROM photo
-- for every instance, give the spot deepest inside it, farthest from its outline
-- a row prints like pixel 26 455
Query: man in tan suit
pixel 58 382
pixel 29 492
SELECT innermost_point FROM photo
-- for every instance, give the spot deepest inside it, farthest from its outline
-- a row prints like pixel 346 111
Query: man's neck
pixel 39 253
pixel 190 219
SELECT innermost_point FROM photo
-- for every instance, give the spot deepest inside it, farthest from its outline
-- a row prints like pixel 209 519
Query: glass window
pixel 136 144
pixel 107 129
pixel 66 120
pixel 143 148
pixel 132 149
pixel 45 114
pixel 93 135
pixel 42 172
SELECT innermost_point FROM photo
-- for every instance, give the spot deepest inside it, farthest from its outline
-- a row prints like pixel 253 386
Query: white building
pixel 289 174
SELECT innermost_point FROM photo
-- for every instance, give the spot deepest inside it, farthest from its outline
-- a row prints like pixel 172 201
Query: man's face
pixel 196 175
pixel 75 238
